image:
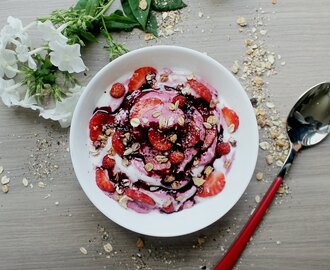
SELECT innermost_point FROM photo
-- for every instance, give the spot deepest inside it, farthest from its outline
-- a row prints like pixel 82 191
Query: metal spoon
pixel 308 123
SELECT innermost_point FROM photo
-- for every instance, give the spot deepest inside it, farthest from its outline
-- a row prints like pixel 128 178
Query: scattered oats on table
pixel 83 250
pixel 5 188
pixel 108 248
pixel 241 21
pixel 259 176
pixel 5 180
pixel 139 243
pixel 25 182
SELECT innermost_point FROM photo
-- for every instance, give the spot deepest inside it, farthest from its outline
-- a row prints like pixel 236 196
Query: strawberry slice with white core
pixel 138 78
pixel 103 181
pixel 202 90
pixel 213 185
pixel 231 118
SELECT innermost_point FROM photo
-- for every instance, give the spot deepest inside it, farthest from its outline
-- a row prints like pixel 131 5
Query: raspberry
pixel 117 90
pixel 223 149
pixel 108 163
pixel 176 157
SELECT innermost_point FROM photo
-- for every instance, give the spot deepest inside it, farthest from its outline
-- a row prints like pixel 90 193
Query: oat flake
pixel 259 176
pixel 5 180
pixel 25 182
pixel 5 188
pixel 241 21
pixel 108 247
pixel 41 184
pixel 83 250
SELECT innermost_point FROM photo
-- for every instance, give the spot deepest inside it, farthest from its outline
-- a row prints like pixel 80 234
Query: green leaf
pixel 81 4
pixel 161 5
pixel 127 9
pixel 152 25
pixel 92 6
pixel 139 14
pixel 117 21
pixel 86 35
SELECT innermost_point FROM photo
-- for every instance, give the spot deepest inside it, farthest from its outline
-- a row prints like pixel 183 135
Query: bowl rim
pixel 178 49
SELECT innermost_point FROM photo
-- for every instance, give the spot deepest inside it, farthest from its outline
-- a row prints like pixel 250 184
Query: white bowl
pixel 204 213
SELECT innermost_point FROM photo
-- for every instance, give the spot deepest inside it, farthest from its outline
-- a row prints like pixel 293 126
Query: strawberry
pixel 192 135
pixel 223 149
pixel 103 182
pixel 139 196
pixel 210 135
pixel 159 140
pixel 96 123
pixel 117 142
pixel 176 157
pixel 168 209
pixel 117 90
pixel 182 100
pixel 213 185
pixel 108 162
pixel 200 89
pixel 231 117
pixel 143 106
pixel 139 78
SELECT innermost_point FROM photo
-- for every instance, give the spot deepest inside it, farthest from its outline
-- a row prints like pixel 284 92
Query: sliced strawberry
pixel 139 78
pixel 108 162
pixel 210 135
pixel 144 106
pixel 213 185
pixel 168 209
pixel 182 100
pixel 159 140
pixel 192 135
pixel 95 124
pixel 103 182
pixel 223 149
pixel 176 157
pixel 231 117
pixel 200 89
pixel 139 196
pixel 117 90
pixel 117 142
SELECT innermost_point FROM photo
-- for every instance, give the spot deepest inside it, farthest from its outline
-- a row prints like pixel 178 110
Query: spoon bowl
pixel 308 123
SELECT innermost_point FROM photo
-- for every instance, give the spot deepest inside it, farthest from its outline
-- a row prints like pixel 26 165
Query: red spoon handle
pixel 230 258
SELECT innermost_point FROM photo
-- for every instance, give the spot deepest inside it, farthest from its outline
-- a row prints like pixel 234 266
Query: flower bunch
pixel 43 77
pixel 39 78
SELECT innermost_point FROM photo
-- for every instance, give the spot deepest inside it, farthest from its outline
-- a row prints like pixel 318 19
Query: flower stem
pixel 13 87
pixel 37 50
pixel 27 27
pixel 105 8
pixel 13 69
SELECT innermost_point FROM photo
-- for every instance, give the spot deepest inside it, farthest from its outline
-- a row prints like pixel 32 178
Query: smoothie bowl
pixel 164 141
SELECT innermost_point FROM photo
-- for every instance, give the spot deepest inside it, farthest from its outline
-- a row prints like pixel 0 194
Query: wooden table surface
pixel 44 228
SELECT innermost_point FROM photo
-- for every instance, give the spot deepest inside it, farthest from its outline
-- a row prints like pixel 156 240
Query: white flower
pixel 8 95
pixel 50 33
pixel 63 110
pixel 66 57
pixel 23 55
pixel 29 103
pixel 14 29
pixel 8 63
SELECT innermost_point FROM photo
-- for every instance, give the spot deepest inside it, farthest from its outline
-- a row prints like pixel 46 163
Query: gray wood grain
pixel 295 234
